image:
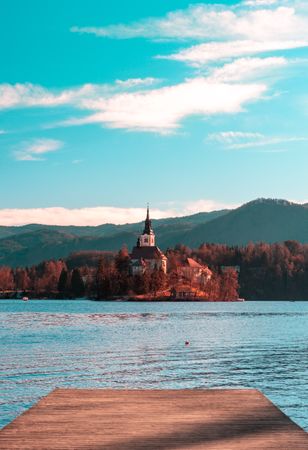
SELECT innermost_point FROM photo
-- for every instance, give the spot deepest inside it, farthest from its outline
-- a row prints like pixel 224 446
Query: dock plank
pixel 153 419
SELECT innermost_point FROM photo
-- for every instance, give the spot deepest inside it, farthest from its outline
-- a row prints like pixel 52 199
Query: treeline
pixel 266 271
pixel 86 274
pixel 105 275
pixel 256 271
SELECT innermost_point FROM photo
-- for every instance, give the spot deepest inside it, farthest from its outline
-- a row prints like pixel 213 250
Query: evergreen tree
pixel 77 284
pixel 157 280
pixel 63 281
pixel 122 261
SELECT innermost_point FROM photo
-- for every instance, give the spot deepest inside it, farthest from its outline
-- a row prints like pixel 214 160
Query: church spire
pixel 147 238
pixel 148 223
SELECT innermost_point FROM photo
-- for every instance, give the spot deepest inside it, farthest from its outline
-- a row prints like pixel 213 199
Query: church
pixel 146 255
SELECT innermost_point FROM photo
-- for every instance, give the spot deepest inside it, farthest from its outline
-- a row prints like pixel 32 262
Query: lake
pixel 46 344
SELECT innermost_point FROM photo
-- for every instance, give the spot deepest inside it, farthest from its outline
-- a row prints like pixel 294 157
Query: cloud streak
pixel 29 95
pixel 162 110
pixel 159 110
pixel 237 140
pixel 213 22
pixel 202 54
pixel 137 82
pixel 244 69
pixel 101 214
pixel 267 142
pixel 34 150
pixel 256 3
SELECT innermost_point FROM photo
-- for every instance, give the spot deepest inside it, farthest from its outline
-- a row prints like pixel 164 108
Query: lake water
pixel 47 344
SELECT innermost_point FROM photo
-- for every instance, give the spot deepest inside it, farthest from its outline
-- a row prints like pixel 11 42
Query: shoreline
pixel 148 300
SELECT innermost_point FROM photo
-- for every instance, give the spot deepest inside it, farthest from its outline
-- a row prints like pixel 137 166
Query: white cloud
pixel 156 110
pixel 32 95
pixel 137 82
pixel 202 54
pixel 260 2
pixel 28 95
pixel 21 95
pixel 101 214
pixel 212 22
pixel 228 137
pixel 162 110
pixel 77 216
pixel 206 205
pixel 267 142
pixel 247 68
pixel 236 140
pixel 33 151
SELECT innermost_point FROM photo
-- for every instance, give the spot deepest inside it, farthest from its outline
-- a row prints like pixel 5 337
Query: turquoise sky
pixel 182 104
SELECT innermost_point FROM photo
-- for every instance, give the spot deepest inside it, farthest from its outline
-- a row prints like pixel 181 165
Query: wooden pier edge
pixel 213 419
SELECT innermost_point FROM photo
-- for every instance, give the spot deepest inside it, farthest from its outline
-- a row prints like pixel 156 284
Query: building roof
pixel 147 253
pixel 193 264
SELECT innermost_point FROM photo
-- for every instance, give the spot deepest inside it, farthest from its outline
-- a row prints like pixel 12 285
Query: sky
pixel 190 106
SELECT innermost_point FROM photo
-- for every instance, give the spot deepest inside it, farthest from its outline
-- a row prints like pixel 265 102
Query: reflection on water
pixel 48 344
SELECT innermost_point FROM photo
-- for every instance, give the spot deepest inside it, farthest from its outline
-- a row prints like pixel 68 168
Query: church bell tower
pixel 147 238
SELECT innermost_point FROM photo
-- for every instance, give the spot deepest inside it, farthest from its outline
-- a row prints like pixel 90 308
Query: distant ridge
pixel 270 201
pixel 30 244
pixel 267 220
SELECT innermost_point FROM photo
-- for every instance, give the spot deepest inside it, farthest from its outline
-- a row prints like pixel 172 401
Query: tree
pixel 6 279
pixel 122 261
pixel 229 285
pixel 22 280
pixel 63 281
pixel 141 283
pixel 157 280
pixel 108 281
pixel 77 284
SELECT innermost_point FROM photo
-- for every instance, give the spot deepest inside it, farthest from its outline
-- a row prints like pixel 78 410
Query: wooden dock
pixel 153 419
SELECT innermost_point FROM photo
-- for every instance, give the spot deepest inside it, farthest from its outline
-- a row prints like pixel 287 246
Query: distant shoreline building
pixel 194 272
pixel 146 255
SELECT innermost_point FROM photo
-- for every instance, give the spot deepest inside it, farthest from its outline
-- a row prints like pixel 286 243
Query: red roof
pixel 146 253
pixel 192 263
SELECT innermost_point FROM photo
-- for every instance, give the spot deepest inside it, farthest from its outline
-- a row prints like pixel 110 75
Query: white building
pixel 146 255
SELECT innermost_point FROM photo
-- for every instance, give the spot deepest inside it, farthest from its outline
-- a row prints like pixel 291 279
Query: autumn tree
pixel 157 280
pixel 6 279
pixel 229 285
pixel 22 280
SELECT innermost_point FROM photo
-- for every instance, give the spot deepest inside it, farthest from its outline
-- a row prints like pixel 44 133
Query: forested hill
pixel 31 244
pixel 260 220
pixel 109 229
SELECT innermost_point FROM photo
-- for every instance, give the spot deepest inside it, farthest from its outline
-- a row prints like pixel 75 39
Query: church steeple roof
pixel 148 223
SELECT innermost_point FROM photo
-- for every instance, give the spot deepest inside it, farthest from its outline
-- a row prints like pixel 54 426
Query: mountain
pixel 260 220
pixel 264 220
pixel 31 244
pixel 109 229
pixel 31 248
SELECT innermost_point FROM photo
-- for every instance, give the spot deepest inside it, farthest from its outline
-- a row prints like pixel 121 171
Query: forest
pixel 254 272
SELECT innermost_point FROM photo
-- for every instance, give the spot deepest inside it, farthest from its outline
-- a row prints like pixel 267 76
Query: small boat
pixel 25 299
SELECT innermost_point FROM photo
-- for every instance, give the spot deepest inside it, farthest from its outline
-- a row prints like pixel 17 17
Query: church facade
pixel 146 255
